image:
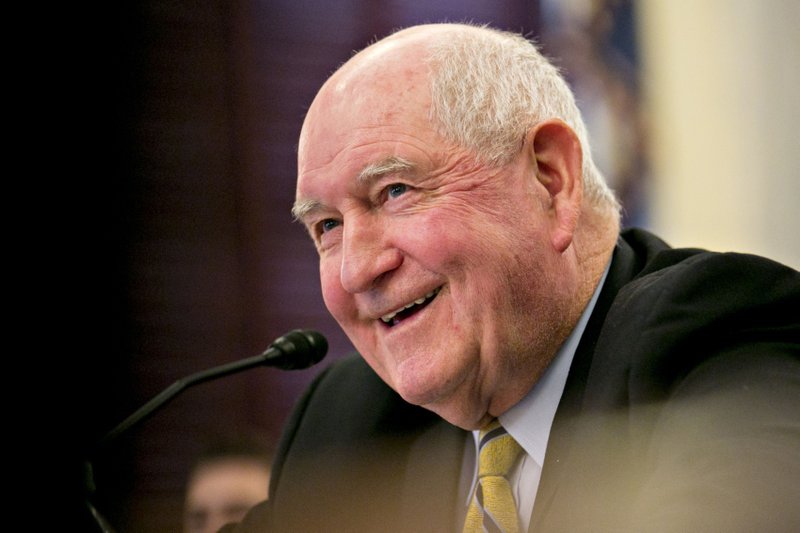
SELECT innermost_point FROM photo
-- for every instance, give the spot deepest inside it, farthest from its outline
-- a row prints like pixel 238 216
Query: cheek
pixel 443 239
pixel 335 297
pixel 456 243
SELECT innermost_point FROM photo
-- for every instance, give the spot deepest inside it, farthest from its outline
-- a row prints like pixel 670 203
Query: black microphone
pixel 298 349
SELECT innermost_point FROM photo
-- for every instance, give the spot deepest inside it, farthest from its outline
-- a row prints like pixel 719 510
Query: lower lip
pixel 417 311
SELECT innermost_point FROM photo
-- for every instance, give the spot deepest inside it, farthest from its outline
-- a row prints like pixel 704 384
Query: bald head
pixel 390 72
pixel 404 52
pixel 387 78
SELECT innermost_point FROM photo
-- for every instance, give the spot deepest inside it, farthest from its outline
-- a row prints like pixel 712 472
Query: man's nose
pixel 366 254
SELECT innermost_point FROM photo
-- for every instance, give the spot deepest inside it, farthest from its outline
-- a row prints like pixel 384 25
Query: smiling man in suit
pixel 471 251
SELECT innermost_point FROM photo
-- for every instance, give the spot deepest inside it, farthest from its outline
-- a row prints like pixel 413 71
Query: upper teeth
pixel 418 301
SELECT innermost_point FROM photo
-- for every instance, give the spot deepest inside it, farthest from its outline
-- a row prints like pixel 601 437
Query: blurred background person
pixel 226 480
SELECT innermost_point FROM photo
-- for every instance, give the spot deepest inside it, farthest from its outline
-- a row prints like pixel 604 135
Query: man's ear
pixel 558 157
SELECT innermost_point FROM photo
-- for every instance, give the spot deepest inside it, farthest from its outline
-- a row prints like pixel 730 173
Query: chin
pixel 417 390
pixel 436 389
pixel 466 415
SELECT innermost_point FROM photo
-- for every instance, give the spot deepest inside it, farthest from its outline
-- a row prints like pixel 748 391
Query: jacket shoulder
pixel 687 306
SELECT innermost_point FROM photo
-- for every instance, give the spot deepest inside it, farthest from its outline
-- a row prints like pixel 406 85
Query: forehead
pixel 382 95
pixel 234 476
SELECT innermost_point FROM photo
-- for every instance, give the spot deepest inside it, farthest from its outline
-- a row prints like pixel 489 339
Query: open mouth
pixel 395 317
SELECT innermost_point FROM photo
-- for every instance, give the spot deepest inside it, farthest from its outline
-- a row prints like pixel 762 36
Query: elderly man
pixel 471 251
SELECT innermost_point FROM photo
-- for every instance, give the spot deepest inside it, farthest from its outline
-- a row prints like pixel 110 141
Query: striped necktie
pixel 492 507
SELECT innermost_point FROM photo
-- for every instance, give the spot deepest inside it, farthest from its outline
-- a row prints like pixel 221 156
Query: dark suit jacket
pixel 681 412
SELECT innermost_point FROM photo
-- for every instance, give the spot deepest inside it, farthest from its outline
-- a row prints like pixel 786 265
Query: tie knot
pixel 498 451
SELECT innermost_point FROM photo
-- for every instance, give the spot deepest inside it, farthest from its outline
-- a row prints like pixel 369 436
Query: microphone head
pixel 298 349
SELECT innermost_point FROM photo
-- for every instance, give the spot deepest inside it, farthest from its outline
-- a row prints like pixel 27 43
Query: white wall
pixel 722 96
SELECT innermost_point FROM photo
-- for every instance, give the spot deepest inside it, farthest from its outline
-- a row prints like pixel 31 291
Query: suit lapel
pixel 549 501
pixel 564 466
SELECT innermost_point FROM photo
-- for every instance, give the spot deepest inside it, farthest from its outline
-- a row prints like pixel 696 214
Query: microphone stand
pixel 296 350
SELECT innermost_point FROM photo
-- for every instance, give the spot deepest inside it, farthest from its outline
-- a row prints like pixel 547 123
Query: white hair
pixel 489 87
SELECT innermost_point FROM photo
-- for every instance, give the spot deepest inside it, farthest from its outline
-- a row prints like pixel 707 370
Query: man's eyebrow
pixel 370 173
pixel 302 208
pixel 389 165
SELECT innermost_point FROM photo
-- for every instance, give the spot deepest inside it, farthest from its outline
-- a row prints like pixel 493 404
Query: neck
pixel 594 243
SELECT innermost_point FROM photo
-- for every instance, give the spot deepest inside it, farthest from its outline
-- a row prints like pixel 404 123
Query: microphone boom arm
pixel 295 350
pixel 176 388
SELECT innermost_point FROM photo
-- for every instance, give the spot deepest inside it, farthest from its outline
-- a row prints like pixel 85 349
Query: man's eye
pixel 328 224
pixel 396 189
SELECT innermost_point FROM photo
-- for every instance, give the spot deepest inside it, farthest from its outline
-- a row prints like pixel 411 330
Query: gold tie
pixel 492 507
